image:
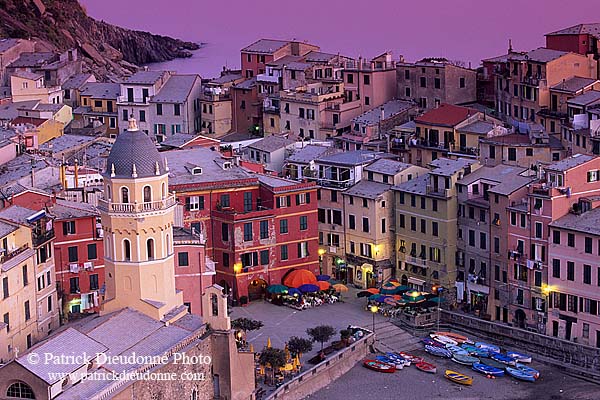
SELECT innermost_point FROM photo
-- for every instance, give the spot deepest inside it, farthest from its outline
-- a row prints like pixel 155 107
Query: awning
pixel 416 281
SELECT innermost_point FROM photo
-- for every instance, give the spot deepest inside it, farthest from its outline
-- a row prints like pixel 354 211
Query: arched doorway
pixel 286 275
pixel 520 318
pixel 257 289
pixel 404 280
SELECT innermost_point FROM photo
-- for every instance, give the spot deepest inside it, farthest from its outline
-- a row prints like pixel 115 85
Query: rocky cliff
pixel 109 51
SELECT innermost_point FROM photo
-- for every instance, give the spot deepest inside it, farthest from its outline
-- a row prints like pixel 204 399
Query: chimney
pixel 382 113
pixel 76 173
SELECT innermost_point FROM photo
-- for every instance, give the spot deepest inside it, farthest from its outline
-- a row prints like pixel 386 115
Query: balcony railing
pixel 9 256
pixel 134 100
pixel 437 191
pixel 42 237
pixel 127 208
pixel 420 262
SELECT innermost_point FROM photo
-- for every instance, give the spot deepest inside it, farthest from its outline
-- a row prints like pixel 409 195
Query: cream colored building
pixel 18 328
pixel 426 226
pixel 137 218
pixel 27 86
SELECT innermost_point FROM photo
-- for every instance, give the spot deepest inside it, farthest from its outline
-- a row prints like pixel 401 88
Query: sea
pixel 461 30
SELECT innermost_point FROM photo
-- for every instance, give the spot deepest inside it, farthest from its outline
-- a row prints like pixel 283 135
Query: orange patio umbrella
pixel 300 277
pixel 373 290
pixel 323 285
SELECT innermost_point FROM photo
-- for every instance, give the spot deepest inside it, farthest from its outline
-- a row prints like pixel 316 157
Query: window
pixel 126 250
pixel 538 230
pixel 471 237
pixel 461 82
pixel 512 154
pixel 94 282
pixel 434 229
pixel 124 195
pixel 92 252
pixel 337 217
pixel 334 196
pixel 5 287
pixel 69 228
pixel 367 79
pixel 73 254
pixel 74 285
pixel 350 78
pixel 159 109
pixel 283 226
pixel 284 201
pixel 142 115
pixel 264 229
pixel 413 200
pixel 225 200
pixel 20 390
pixel 176 109
pixel 588 245
pixel 27 311
pixel 556 237
pixel 367 101
pixel 352 221
pixel 570 271
pixel 413 223
pixel 194 203
pixel 247 201
pixel 406 74
pixel 587 274
pixel 25 276
pixel 423 203
pixel 423 81
pixel 365 224
pixel 556 268
pixel 423 226
pixel 150 248
pixel 226 260
pixel 401 198
pixel 284 252
pixel 434 205
pixel 248 232
pixel 303 223
pixel 264 257
pixel 224 232
pixel 482 240
pixel 571 240
pixel 366 250
pixel 302 249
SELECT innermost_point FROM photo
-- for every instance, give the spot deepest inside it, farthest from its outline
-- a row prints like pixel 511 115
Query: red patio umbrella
pixel 300 277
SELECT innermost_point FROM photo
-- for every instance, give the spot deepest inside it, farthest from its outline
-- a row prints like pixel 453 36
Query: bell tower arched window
pixel 150 248
pixel 126 250
pixel 164 190
pixel 20 390
pixel 147 194
pixel 108 192
pixel 124 195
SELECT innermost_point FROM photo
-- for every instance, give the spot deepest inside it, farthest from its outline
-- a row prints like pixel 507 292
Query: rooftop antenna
pixel 510 49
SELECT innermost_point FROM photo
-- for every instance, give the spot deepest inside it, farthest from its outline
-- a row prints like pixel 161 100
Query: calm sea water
pixel 466 30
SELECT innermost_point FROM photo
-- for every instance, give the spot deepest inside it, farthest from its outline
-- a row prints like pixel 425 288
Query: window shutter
pixel 299 250
pixel 297 199
pixel 307 198
pixel 65 229
pixel 278 202
pixel 255 258
pixel 187 203
pixel 201 202
pixel 288 200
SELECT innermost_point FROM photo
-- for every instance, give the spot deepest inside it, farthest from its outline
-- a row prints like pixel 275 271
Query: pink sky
pixel 465 30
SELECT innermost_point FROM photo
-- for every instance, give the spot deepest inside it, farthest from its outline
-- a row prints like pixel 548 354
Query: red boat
pixel 411 358
pixel 379 366
pixel 426 367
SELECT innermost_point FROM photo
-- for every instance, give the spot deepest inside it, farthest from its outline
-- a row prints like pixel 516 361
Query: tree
pixel 298 345
pixel 273 357
pixel 246 324
pixel 321 333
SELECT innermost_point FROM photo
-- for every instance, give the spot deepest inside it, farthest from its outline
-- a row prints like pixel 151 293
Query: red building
pixel 581 39
pixel 79 256
pixel 257 227
pixel 194 271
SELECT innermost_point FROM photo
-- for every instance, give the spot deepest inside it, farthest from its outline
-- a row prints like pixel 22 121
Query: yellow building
pixel 26 86
pixel 98 105
pixel 137 216
pixel 426 226
pixel 37 131
pixel 18 328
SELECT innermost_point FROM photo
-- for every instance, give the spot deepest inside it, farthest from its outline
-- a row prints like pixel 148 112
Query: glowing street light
pixel 374 310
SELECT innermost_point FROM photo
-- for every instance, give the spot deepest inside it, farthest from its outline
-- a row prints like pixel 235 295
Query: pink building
pixel 574 277
pixel 559 191
pixel 194 271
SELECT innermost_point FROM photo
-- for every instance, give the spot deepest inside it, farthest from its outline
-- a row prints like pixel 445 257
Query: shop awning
pixel 416 281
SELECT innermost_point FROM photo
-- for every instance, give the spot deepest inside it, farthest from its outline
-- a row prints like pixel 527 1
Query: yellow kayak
pixel 458 377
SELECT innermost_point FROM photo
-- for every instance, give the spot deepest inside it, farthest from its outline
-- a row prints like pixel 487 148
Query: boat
pixel 457 350
pixel 438 351
pixel 518 374
pixel 430 342
pixel 443 340
pixel 503 358
pixel 426 367
pixel 454 336
pixel 475 351
pixel 491 363
pixel 520 357
pixel 464 359
pixel 378 366
pixel 528 370
pixel 487 370
pixel 488 346
pixel 397 364
pixel 458 377
pixel 411 358
pixel 397 359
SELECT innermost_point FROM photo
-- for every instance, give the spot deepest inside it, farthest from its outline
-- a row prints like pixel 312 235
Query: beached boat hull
pixel 528 370
pixel 520 357
pixel 411 358
pixel 503 358
pixel 457 377
pixel 520 375
pixel 444 340
pixel 487 370
pixel 426 367
pixel 438 351
pixel 378 366
pixel 457 350
pixel 464 359
pixel 454 336
pixel 488 346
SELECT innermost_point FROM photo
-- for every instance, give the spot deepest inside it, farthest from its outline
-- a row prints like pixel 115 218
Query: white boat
pixel 445 340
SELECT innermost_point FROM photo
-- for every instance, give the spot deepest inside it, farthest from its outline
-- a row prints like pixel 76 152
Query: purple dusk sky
pixel 467 30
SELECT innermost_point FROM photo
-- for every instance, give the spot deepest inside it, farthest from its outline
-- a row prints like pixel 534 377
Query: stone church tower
pixel 137 217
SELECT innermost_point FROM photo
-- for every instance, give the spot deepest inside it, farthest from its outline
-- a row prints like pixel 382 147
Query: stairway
pixel 392 338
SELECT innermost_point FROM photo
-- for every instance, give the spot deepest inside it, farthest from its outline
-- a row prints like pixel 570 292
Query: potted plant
pixel 345 335
pixel 244 300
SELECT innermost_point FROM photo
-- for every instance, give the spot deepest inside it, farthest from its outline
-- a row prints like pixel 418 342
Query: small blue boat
pixel 438 351
pixel 487 370
pixel 518 374
pixel 430 342
pixel 397 359
pixel 520 357
pixel 475 351
pixel 503 358
pixel 528 370
pixel 457 350
pixel 387 360
pixel 488 346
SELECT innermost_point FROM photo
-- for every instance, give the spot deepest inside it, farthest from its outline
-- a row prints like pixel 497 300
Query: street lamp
pixel 440 290
pixel 374 310
pixel 237 268
pixel 321 253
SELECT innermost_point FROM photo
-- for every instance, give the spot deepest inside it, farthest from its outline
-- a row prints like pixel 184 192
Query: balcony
pixel 140 101
pixel 531 80
pixel 267 78
pixel 129 208
pixel 437 191
pixel 232 215
pixel 39 238
pixel 12 254
pixel 334 183
pixel 419 262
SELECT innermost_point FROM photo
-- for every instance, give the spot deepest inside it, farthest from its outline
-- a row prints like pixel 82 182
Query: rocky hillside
pixel 109 51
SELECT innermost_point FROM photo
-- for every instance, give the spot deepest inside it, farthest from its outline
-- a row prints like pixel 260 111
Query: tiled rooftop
pixel 64 209
pixel 368 189
pixel 477 127
pixel 310 153
pixel 586 98
pixel 387 166
pixel 271 143
pixel 569 162
pixel 592 29
pixel 101 90
pixel 181 163
pixel 176 90
pixel 390 108
pixel 574 84
pixel 76 81
pixel 587 222
pixel 266 46
pixel 33 59
pixel 350 158
pixel 446 115
pixel 448 167
pixel 144 78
